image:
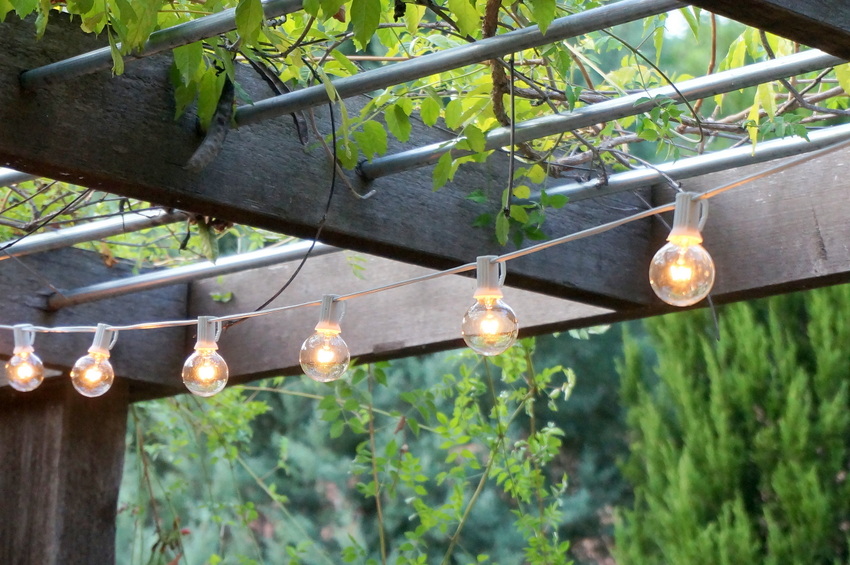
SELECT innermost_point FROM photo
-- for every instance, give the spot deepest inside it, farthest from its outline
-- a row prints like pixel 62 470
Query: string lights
pixel 93 374
pixel 324 355
pixel 24 370
pixel 205 372
pixel 489 327
pixel 682 272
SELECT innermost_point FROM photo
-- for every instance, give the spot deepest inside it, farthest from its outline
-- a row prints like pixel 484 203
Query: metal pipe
pixel 188 273
pixel 621 107
pixel 126 223
pixel 489 48
pixel 163 40
pixel 705 164
pixel 11 176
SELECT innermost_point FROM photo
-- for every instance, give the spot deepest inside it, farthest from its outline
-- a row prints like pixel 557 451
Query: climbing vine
pixel 330 39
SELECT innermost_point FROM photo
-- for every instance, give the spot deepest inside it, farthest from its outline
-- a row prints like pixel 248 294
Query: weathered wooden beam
pixel 411 320
pixel 824 24
pixel 265 177
pixel 62 458
pixel 25 283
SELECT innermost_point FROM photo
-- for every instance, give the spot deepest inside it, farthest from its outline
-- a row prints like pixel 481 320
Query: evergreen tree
pixel 740 447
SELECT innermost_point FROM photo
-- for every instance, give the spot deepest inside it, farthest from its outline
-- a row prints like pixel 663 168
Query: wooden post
pixel 62 456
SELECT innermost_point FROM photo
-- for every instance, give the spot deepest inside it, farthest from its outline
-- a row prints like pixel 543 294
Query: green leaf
pixel 477 196
pixel 557 200
pixel 692 18
pixel 249 20
pixel 5 8
pixel 344 61
pixel 398 122
pixel 465 15
pixel 443 170
pixel 24 8
pixel 522 191
pixel 142 24
pixel 475 138
pixel 454 113
pixel 330 7
pixel 188 59
pixel 544 13
pixel 412 16
pixel 765 94
pixel 117 58
pixel 311 7
pixel 372 139
pixel 209 242
pixel 209 91
pixel 429 111
pixel 752 123
pixel 503 225
pixel 519 214
pixel 365 17
pixel 842 73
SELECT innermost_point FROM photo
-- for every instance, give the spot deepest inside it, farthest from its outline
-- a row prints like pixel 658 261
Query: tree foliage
pixel 393 465
pixel 740 452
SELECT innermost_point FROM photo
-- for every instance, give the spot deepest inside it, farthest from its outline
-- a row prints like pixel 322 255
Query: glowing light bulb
pixel 205 372
pixel 490 326
pixel 682 272
pixel 93 374
pixel 324 356
pixel 24 371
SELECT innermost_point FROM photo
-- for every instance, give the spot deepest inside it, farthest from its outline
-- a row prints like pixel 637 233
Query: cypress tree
pixel 739 445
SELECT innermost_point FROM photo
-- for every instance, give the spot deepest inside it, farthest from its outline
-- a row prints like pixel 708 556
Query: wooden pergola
pixel 62 454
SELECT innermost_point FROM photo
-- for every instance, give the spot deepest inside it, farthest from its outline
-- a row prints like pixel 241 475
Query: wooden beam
pixel 265 177
pixel 784 232
pixel 824 24
pixel 25 283
pixel 779 234
pixel 61 471
pixel 412 320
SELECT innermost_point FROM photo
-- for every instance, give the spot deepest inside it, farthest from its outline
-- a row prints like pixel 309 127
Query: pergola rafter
pixel 784 232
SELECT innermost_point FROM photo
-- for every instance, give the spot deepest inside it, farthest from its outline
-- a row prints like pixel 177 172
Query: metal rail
pixel 621 107
pixel 163 40
pixel 489 48
pixel 11 176
pixel 188 273
pixel 705 164
pixel 126 223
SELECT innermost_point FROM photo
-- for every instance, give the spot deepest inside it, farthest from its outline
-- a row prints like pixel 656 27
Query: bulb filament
pixel 93 375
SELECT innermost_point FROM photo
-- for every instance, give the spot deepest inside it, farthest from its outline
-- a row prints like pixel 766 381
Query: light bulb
pixel 682 272
pixel 489 326
pixel 324 356
pixel 205 372
pixel 92 374
pixel 24 371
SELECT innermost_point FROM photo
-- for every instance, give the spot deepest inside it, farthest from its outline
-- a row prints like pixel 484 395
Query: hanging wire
pixel 459 269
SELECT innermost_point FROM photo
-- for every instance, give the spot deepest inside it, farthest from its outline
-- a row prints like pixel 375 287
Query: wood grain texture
pixel 143 357
pixel 411 320
pixel 62 458
pixel 824 24
pixel 265 177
